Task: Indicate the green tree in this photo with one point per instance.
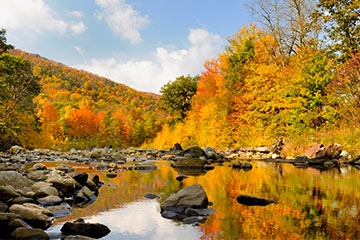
(342, 24)
(18, 87)
(176, 96)
(3, 46)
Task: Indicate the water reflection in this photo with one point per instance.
(312, 203)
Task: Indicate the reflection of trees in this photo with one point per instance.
(311, 205)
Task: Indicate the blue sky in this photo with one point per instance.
(141, 43)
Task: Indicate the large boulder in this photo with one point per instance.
(8, 192)
(193, 152)
(14, 179)
(50, 200)
(36, 216)
(80, 177)
(46, 191)
(79, 227)
(16, 149)
(62, 181)
(319, 151)
(5, 219)
(189, 163)
(28, 233)
(191, 196)
(38, 175)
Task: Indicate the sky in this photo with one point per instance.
(141, 43)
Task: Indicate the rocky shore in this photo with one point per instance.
(32, 197)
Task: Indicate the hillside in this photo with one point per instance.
(80, 109)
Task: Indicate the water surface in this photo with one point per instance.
(311, 203)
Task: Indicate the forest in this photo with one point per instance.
(294, 74)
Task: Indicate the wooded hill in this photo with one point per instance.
(76, 108)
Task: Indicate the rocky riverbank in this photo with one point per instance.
(31, 198)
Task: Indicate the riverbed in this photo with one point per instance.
(311, 203)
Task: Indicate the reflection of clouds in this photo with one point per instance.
(142, 220)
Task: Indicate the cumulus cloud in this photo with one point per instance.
(166, 65)
(122, 19)
(78, 27)
(34, 17)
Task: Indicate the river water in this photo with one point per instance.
(312, 204)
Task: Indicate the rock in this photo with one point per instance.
(147, 166)
(95, 230)
(5, 219)
(91, 185)
(196, 219)
(320, 151)
(355, 161)
(189, 163)
(77, 237)
(191, 196)
(49, 200)
(39, 166)
(247, 166)
(345, 154)
(177, 147)
(8, 192)
(329, 164)
(168, 214)
(21, 200)
(253, 201)
(180, 178)
(208, 167)
(236, 164)
(17, 159)
(38, 175)
(59, 211)
(301, 159)
(85, 195)
(211, 153)
(66, 168)
(16, 149)
(36, 216)
(14, 179)
(80, 177)
(16, 223)
(46, 191)
(193, 152)
(38, 185)
(111, 175)
(62, 182)
(28, 233)
(3, 207)
(199, 212)
(151, 196)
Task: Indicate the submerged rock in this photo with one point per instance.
(253, 201)
(151, 196)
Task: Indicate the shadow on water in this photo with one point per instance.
(311, 203)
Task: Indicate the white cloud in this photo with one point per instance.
(122, 19)
(31, 16)
(166, 65)
(77, 14)
(78, 28)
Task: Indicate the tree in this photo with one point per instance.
(289, 22)
(3, 46)
(342, 23)
(176, 96)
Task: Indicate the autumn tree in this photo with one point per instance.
(82, 123)
(176, 96)
(4, 47)
(342, 24)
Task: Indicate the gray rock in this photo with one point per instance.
(17, 159)
(211, 153)
(46, 191)
(192, 196)
(14, 179)
(194, 152)
(36, 216)
(196, 219)
(21, 200)
(36, 186)
(39, 166)
(49, 200)
(80, 177)
(38, 175)
(3, 207)
(199, 212)
(28, 233)
(62, 182)
(95, 230)
(61, 210)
